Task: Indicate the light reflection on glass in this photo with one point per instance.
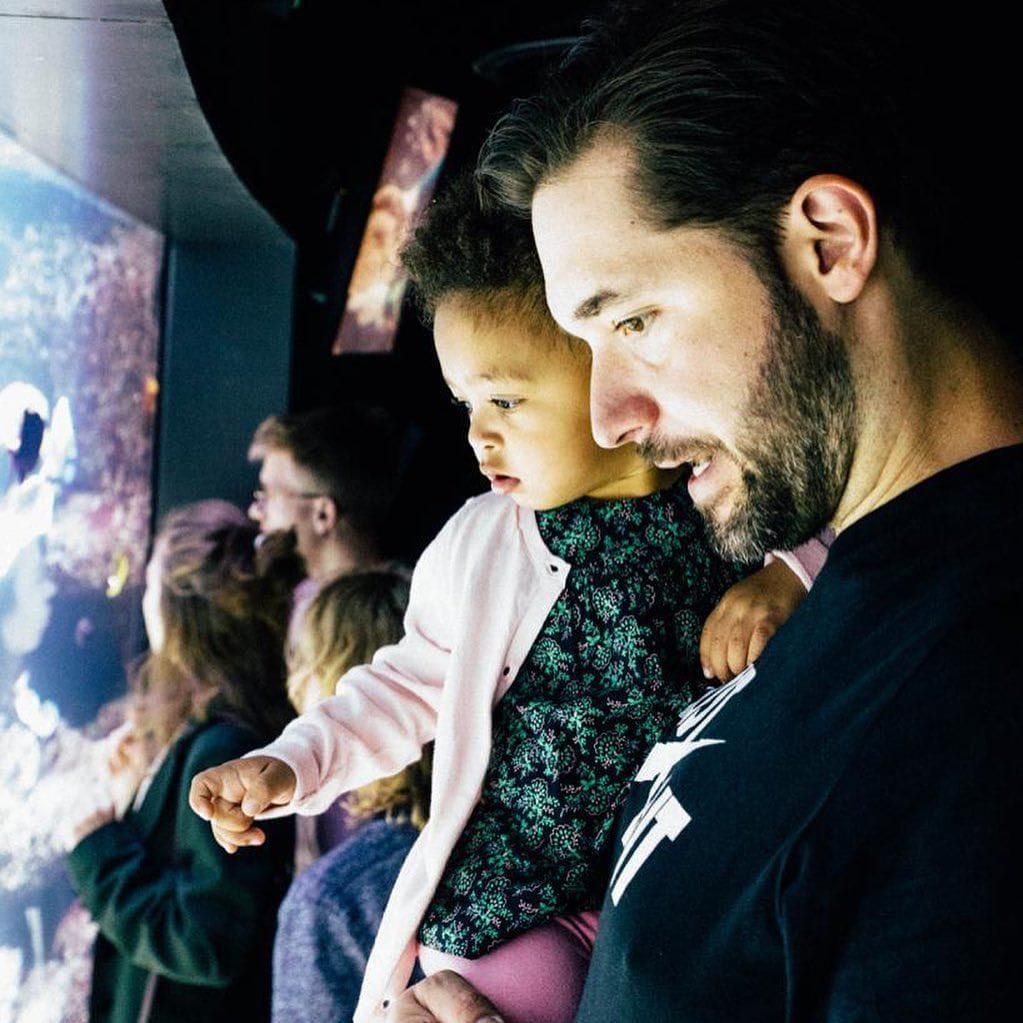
(78, 387)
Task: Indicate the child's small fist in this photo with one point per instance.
(746, 617)
(232, 795)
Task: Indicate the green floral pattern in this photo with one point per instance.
(614, 665)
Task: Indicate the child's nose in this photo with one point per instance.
(482, 435)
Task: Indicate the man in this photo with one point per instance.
(330, 474)
(734, 206)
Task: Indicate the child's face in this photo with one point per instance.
(528, 401)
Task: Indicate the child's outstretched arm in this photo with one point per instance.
(753, 610)
(231, 795)
(378, 722)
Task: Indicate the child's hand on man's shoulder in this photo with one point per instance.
(746, 617)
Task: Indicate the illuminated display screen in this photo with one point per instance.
(78, 392)
(418, 146)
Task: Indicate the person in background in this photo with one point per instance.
(330, 474)
(344, 625)
(353, 850)
(186, 931)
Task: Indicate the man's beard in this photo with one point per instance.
(796, 439)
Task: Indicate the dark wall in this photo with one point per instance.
(224, 365)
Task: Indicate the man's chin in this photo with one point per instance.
(734, 527)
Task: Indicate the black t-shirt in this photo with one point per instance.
(834, 836)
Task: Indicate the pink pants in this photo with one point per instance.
(535, 977)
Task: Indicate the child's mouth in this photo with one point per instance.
(501, 484)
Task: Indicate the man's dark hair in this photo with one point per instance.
(353, 452)
(729, 105)
(468, 246)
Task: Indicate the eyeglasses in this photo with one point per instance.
(260, 497)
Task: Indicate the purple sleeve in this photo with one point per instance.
(807, 560)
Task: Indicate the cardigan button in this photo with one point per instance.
(506, 669)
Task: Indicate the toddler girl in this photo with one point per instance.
(552, 634)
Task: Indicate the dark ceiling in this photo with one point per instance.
(243, 120)
(302, 93)
(98, 89)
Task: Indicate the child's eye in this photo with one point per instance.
(461, 403)
(506, 404)
(631, 325)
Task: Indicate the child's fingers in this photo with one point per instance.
(232, 829)
(254, 783)
(714, 643)
(758, 640)
(268, 782)
(737, 649)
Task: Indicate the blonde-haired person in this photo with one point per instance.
(344, 625)
(185, 930)
(353, 851)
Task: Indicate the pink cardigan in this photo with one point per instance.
(481, 592)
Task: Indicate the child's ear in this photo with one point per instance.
(829, 243)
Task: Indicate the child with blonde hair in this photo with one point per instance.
(343, 626)
(552, 636)
(348, 856)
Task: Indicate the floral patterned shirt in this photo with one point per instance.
(614, 665)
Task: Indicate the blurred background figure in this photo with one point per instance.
(186, 931)
(354, 850)
(331, 476)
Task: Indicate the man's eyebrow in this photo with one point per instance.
(593, 305)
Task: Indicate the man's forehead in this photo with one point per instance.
(279, 466)
(582, 219)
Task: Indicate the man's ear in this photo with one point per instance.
(829, 245)
(325, 515)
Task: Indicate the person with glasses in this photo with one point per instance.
(331, 475)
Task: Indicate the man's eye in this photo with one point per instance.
(506, 404)
(631, 325)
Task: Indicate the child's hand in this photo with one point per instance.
(746, 617)
(231, 795)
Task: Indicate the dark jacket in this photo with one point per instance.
(186, 930)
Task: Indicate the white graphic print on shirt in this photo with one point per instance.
(663, 816)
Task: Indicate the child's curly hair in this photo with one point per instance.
(466, 248)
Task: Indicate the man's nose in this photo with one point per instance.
(621, 410)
